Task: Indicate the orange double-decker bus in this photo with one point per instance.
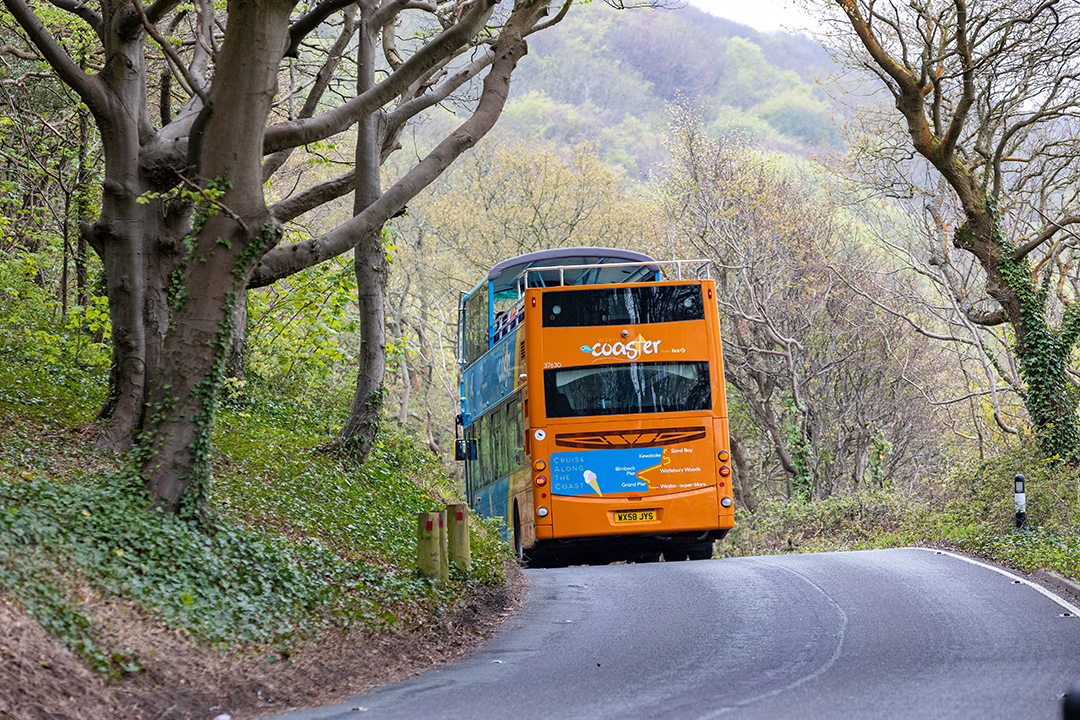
(592, 406)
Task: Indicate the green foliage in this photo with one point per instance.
(279, 480)
(1032, 550)
(971, 509)
(302, 541)
(879, 450)
(802, 482)
(597, 75)
(751, 79)
(853, 521)
(298, 538)
(298, 329)
(490, 552)
(796, 115)
(218, 585)
(584, 71)
(31, 326)
(208, 198)
(539, 117)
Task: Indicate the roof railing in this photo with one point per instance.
(700, 267)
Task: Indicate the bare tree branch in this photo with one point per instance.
(284, 261)
(303, 131)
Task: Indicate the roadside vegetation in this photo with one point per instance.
(877, 397)
(298, 545)
(970, 510)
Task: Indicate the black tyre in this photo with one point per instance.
(519, 551)
(701, 552)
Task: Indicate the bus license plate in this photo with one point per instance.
(629, 516)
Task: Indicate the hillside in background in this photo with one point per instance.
(605, 76)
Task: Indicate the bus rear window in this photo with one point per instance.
(627, 388)
(634, 305)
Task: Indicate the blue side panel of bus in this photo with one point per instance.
(492, 501)
(491, 378)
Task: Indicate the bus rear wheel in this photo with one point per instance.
(519, 551)
(701, 552)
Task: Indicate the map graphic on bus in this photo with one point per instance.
(601, 472)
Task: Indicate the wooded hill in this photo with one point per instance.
(605, 77)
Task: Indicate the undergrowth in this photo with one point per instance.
(971, 510)
(298, 540)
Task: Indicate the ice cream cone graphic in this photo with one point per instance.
(590, 480)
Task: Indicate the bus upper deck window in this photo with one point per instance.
(631, 305)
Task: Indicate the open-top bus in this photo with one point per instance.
(592, 406)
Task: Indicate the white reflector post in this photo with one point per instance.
(1020, 501)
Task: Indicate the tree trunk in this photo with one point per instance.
(743, 487)
(124, 276)
(120, 237)
(237, 365)
(406, 391)
(82, 211)
(67, 259)
(397, 327)
(362, 425)
(233, 232)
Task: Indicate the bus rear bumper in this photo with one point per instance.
(693, 511)
(595, 530)
(623, 548)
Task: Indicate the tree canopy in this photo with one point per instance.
(198, 108)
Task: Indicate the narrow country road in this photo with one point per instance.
(907, 633)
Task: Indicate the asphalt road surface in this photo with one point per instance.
(891, 634)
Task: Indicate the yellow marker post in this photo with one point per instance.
(428, 547)
(457, 535)
(444, 556)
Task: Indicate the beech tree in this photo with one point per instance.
(193, 125)
(986, 97)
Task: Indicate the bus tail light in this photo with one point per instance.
(540, 465)
(725, 471)
(722, 456)
(541, 481)
(543, 511)
(725, 501)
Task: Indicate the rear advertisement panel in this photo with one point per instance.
(636, 468)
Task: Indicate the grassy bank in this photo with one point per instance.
(301, 545)
(970, 510)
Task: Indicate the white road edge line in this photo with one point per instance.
(1012, 576)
